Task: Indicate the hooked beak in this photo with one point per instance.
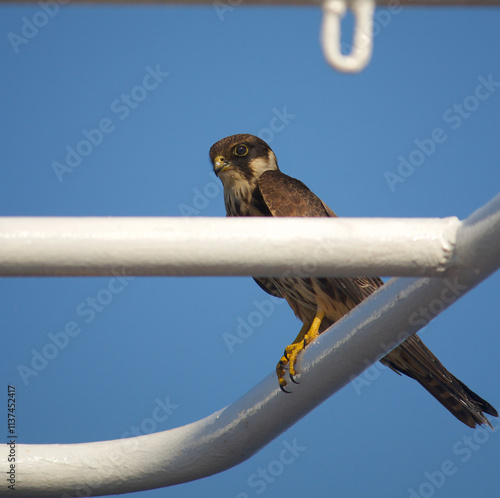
(220, 165)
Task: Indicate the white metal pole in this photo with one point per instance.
(234, 433)
(226, 246)
(285, 3)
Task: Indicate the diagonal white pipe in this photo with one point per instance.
(233, 434)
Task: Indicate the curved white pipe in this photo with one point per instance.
(233, 434)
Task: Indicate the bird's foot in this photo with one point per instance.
(292, 351)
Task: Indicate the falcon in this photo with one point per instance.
(255, 186)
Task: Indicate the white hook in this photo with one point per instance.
(333, 11)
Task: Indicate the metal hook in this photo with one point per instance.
(333, 11)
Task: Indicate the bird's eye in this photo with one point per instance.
(241, 150)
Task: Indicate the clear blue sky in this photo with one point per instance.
(163, 338)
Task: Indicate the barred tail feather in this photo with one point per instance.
(415, 360)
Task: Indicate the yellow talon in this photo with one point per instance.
(305, 337)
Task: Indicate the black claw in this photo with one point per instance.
(284, 390)
(293, 380)
(285, 355)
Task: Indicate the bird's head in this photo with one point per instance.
(241, 158)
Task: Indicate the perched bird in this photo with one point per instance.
(255, 186)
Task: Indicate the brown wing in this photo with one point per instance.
(281, 195)
(266, 284)
(285, 196)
